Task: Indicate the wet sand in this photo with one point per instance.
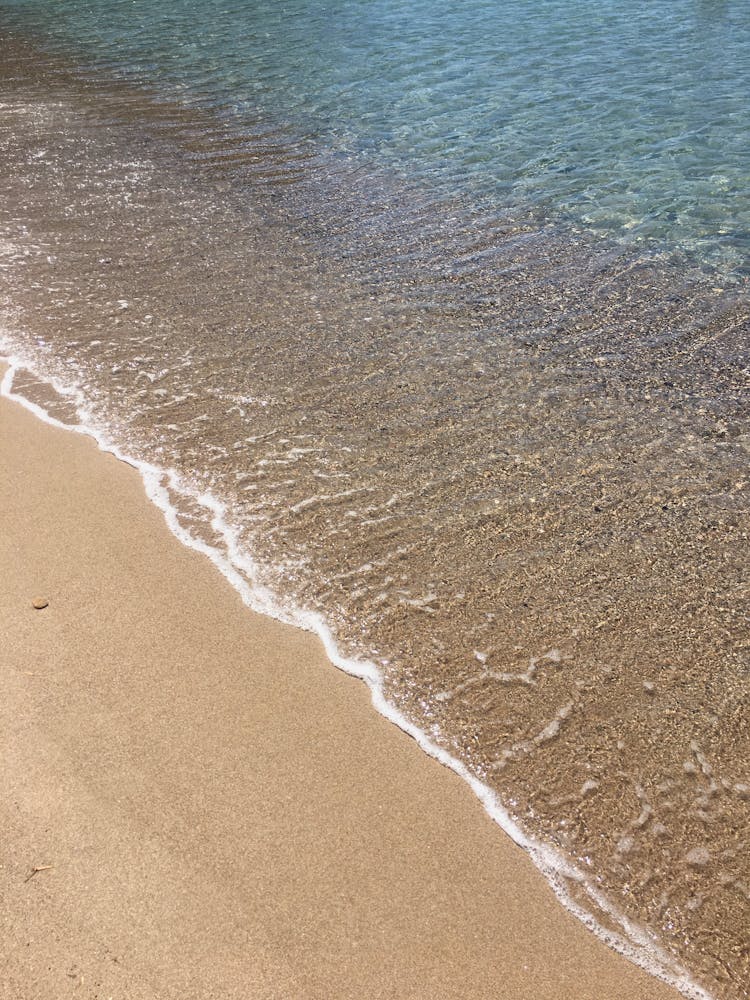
(196, 804)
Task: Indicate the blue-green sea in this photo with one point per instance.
(629, 117)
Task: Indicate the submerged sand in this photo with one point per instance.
(214, 810)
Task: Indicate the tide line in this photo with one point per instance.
(241, 571)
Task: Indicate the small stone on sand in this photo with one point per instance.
(39, 603)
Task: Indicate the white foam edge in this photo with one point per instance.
(639, 946)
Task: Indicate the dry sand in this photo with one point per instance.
(223, 812)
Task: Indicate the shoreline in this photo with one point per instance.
(569, 884)
(298, 781)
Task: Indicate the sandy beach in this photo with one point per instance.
(196, 804)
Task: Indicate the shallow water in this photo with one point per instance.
(504, 458)
(626, 117)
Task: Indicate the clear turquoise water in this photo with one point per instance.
(630, 118)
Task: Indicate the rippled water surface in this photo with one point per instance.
(447, 306)
(627, 117)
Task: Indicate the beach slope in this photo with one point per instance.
(196, 804)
